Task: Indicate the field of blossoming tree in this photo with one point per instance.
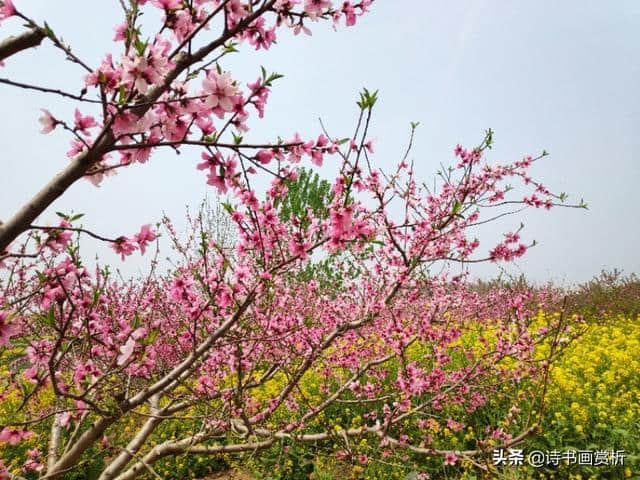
(315, 329)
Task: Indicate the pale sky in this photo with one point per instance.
(544, 75)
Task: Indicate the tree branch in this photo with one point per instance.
(81, 164)
(54, 443)
(16, 44)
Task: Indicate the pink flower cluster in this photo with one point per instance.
(125, 246)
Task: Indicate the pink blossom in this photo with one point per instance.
(315, 8)
(77, 148)
(217, 181)
(455, 426)
(65, 419)
(237, 216)
(145, 236)
(31, 374)
(350, 13)
(285, 5)
(450, 458)
(7, 9)
(7, 330)
(106, 75)
(342, 454)
(126, 351)
(83, 123)
(220, 90)
(264, 156)
(123, 246)
(317, 158)
(206, 125)
(299, 248)
(57, 240)
(13, 436)
(167, 4)
(33, 463)
(121, 31)
(369, 146)
(259, 36)
(48, 122)
(300, 27)
(137, 73)
(504, 252)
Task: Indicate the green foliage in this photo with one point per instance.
(310, 192)
(269, 78)
(307, 191)
(367, 99)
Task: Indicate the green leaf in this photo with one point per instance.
(48, 31)
(136, 321)
(230, 47)
(49, 319)
(151, 337)
(272, 78)
(211, 138)
(488, 139)
(228, 207)
(96, 296)
(122, 95)
(140, 46)
(367, 99)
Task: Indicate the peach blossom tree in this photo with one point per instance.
(238, 347)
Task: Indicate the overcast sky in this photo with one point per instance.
(544, 75)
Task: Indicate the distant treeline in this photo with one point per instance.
(610, 292)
